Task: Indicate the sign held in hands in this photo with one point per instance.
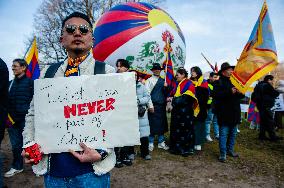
(100, 111)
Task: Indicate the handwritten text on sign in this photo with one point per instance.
(100, 111)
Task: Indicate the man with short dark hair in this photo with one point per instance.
(211, 116)
(21, 91)
(90, 167)
(228, 111)
(264, 96)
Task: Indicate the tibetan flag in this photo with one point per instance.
(168, 68)
(186, 87)
(253, 113)
(259, 55)
(31, 58)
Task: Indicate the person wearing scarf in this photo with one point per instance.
(185, 107)
(90, 167)
(202, 94)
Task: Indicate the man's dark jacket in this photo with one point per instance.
(20, 96)
(227, 104)
(4, 82)
(264, 95)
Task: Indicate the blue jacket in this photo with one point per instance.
(143, 98)
(20, 95)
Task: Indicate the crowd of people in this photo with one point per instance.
(194, 102)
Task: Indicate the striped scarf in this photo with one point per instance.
(73, 66)
(200, 82)
(186, 87)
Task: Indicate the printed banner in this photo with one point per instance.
(100, 111)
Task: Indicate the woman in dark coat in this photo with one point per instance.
(202, 94)
(181, 131)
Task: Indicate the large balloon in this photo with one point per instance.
(141, 33)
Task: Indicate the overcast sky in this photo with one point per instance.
(218, 28)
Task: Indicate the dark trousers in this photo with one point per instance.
(266, 123)
(16, 139)
(122, 153)
(199, 132)
(144, 147)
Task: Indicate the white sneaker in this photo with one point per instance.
(12, 172)
(208, 138)
(197, 147)
(238, 131)
(151, 146)
(163, 146)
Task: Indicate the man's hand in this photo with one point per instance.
(26, 157)
(151, 110)
(165, 84)
(87, 155)
(234, 90)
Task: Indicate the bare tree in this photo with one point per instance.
(49, 16)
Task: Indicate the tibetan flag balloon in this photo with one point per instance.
(259, 55)
(33, 70)
(136, 32)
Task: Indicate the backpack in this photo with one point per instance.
(52, 69)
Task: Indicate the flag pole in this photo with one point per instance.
(166, 67)
(208, 61)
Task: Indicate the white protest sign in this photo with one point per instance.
(99, 110)
(244, 107)
(279, 103)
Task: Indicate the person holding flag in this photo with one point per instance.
(21, 90)
(227, 104)
(185, 107)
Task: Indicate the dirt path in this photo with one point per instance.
(164, 170)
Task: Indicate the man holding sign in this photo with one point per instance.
(90, 167)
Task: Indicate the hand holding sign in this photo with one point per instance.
(87, 155)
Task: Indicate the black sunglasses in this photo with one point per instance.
(84, 29)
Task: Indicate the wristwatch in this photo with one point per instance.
(103, 153)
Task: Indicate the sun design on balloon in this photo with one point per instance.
(124, 22)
